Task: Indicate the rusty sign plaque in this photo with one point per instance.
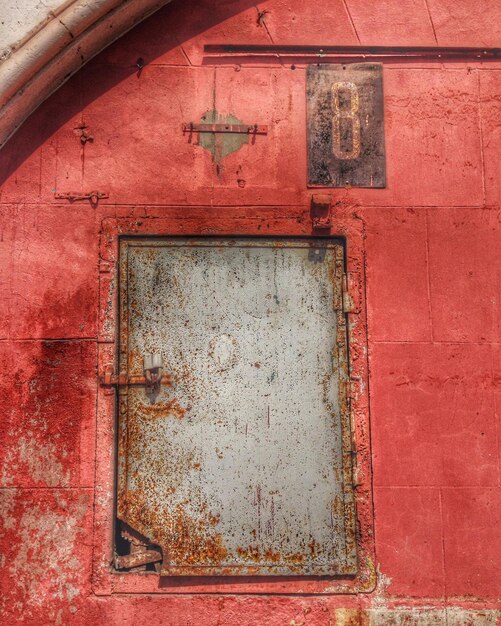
(238, 461)
(345, 125)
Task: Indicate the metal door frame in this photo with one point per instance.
(340, 341)
(211, 221)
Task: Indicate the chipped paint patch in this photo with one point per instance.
(348, 617)
(39, 459)
(43, 566)
(457, 616)
(383, 615)
(406, 617)
(7, 519)
(383, 583)
(50, 537)
(50, 393)
(416, 616)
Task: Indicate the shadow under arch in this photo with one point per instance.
(161, 33)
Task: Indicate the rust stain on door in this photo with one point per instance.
(242, 465)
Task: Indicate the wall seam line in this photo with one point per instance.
(431, 21)
(428, 277)
(350, 17)
(481, 136)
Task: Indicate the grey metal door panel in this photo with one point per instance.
(239, 465)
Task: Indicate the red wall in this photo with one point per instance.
(432, 259)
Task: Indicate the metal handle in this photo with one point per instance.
(152, 366)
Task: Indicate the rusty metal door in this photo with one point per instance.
(240, 462)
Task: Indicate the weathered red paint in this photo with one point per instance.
(424, 255)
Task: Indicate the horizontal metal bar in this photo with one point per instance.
(137, 559)
(113, 380)
(362, 52)
(94, 196)
(254, 129)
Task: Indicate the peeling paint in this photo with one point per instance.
(416, 616)
(39, 458)
(43, 556)
(6, 508)
(380, 593)
(52, 537)
(220, 145)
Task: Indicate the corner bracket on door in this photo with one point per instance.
(141, 551)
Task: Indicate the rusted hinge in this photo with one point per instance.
(350, 287)
(74, 196)
(347, 300)
(243, 129)
(351, 388)
(152, 368)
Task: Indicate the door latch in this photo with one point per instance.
(151, 379)
(152, 367)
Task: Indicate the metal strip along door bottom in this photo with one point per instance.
(241, 464)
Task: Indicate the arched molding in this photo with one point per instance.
(38, 64)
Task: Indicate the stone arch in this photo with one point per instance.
(38, 58)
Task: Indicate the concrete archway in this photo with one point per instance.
(43, 48)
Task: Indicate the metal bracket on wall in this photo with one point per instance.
(243, 129)
(75, 196)
(320, 212)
